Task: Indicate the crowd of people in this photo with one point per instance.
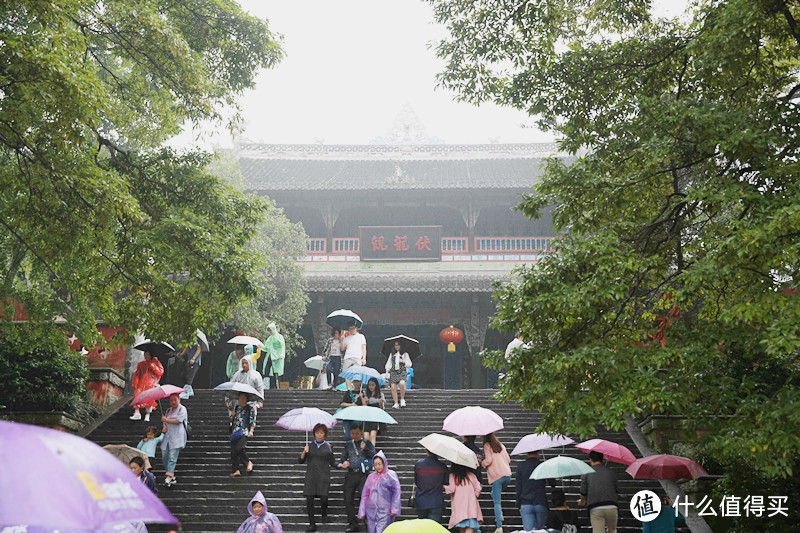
(371, 490)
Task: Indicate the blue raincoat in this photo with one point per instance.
(380, 499)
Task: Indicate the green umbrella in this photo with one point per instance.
(561, 467)
(365, 413)
(416, 525)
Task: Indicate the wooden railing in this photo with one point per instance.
(457, 246)
(454, 244)
(317, 246)
(513, 244)
(347, 245)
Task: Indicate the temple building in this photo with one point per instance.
(410, 236)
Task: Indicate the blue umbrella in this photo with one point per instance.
(362, 374)
(365, 413)
(561, 467)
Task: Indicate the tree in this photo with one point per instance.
(98, 220)
(674, 286)
(279, 279)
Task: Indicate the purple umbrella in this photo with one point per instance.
(53, 479)
(304, 419)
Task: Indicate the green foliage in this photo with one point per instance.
(673, 289)
(38, 371)
(98, 220)
(278, 277)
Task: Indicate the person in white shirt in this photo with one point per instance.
(354, 347)
(396, 366)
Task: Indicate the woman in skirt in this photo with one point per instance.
(396, 366)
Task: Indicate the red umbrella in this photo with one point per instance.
(665, 467)
(610, 450)
(156, 393)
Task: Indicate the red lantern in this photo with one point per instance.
(451, 336)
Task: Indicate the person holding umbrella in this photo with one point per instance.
(248, 376)
(175, 421)
(599, 493)
(531, 494)
(275, 348)
(350, 398)
(318, 455)
(397, 365)
(243, 423)
(464, 489)
(430, 475)
(498, 469)
(147, 375)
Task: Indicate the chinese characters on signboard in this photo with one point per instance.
(401, 243)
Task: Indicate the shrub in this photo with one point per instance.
(38, 371)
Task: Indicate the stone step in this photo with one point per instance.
(206, 499)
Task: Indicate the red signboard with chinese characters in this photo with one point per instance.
(401, 243)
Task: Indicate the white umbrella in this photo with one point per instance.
(315, 363)
(451, 449)
(540, 441)
(561, 467)
(244, 339)
(203, 341)
(239, 387)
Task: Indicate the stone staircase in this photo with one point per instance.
(206, 499)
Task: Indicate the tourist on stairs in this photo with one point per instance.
(397, 365)
(373, 397)
(150, 441)
(175, 421)
(498, 469)
(243, 423)
(146, 376)
(356, 459)
(260, 520)
(318, 455)
(464, 489)
(380, 499)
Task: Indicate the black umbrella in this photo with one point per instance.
(155, 348)
(342, 319)
(407, 344)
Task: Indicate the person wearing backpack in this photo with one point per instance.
(243, 423)
(176, 421)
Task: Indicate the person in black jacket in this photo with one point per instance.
(599, 494)
(562, 518)
(319, 457)
(137, 467)
(531, 494)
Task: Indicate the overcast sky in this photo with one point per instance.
(350, 67)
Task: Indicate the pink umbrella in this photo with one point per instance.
(156, 393)
(610, 450)
(472, 420)
(665, 467)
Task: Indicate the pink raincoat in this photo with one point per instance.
(265, 523)
(380, 499)
(146, 377)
